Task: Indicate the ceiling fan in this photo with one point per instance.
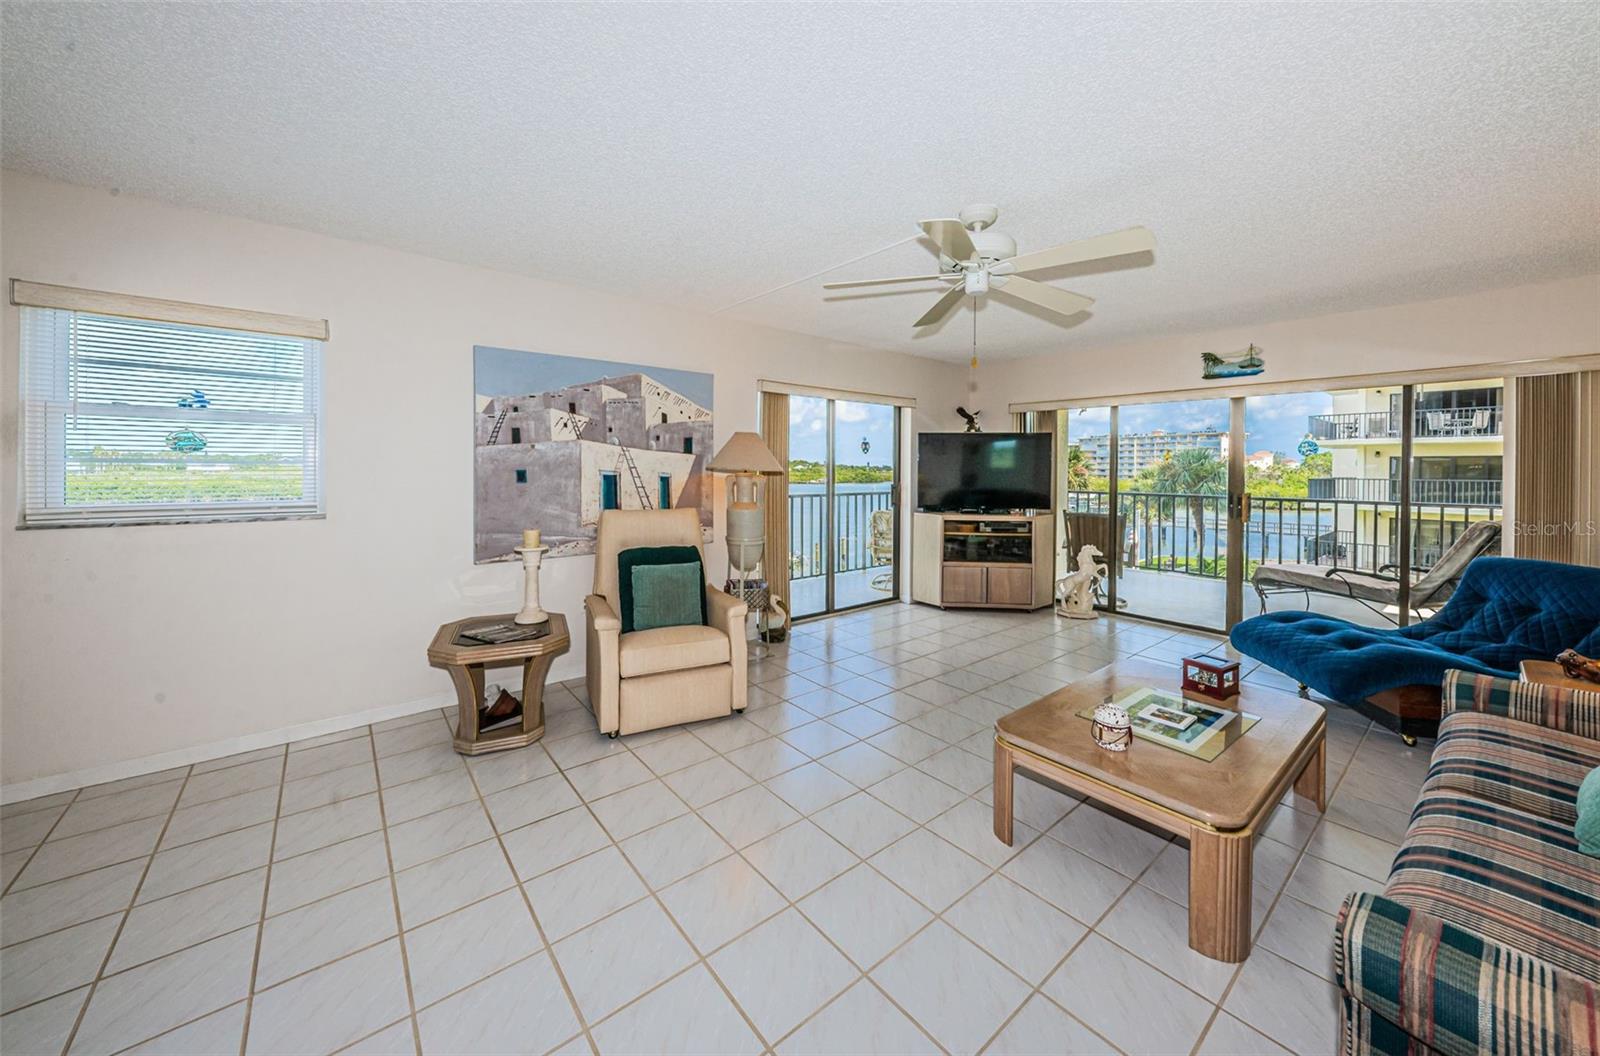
(975, 260)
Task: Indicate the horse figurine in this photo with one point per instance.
(1075, 592)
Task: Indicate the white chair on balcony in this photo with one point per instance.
(1380, 590)
(880, 548)
(1480, 420)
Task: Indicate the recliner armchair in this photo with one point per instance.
(644, 680)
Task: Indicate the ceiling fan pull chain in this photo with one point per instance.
(974, 333)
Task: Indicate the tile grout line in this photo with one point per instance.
(133, 900)
(40, 846)
(548, 948)
(1282, 892)
(261, 922)
(394, 892)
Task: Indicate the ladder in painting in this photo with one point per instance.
(638, 481)
(494, 434)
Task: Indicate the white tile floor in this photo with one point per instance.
(815, 876)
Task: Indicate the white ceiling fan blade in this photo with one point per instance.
(878, 282)
(1116, 244)
(1063, 301)
(951, 238)
(942, 307)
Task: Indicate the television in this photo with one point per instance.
(983, 472)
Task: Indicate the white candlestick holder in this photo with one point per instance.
(531, 612)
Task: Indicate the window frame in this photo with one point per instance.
(43, 412)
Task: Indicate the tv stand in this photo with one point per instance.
(983, 560)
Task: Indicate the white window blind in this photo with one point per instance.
(134, 421)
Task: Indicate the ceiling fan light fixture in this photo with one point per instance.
(977, 281)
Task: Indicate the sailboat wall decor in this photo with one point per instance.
(1243, 365)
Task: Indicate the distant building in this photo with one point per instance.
(554, 460)
(1135, 451)
(1262, 459)
(1457, 467)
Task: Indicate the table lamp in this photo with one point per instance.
(746, 458)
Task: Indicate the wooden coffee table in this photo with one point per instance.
(1219, 807)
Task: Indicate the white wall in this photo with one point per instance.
(1544, 320)
(122, 643)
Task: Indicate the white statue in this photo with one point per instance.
(1075, 593)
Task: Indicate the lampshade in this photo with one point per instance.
(745, 453)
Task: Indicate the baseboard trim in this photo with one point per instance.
(151, 764)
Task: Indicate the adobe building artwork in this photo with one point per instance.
(557, 439)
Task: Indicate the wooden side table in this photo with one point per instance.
(466, 663)
(1549, 673)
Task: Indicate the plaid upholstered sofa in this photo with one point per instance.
(1486, 938)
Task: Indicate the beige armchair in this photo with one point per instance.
(644, 680)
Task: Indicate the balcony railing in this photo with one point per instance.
(1385, 425)
(809, 531)
(1424, 491)
(1156, 531)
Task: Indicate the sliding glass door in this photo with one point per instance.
(1173, 510)
(843, 518)
(1319, 487)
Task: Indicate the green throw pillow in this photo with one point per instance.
(671, 599)
(1588, 827)
(665, 596)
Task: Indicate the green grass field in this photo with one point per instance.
(125, 484)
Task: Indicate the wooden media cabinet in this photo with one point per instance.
(983, 560)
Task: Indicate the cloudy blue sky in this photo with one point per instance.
(509, 372)
(1272, 423)
(854, 422)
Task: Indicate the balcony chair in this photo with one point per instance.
(1080, 529)
(664, 676)
(1504, 611)
(1379, 589)
(880, 548)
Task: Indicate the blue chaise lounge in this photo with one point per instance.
(1505, 610)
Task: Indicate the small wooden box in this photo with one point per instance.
(1211, 677)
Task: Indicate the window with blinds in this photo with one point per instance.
(134, 421)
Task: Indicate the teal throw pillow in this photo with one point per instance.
(665, 596)
(671, 599)
(1587, 828)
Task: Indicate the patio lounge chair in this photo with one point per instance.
(1378, 589)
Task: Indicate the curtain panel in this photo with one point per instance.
(775, 494)
(1557, 507)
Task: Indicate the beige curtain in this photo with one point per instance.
(775, 494)
(1557, 494)
(1049, 422)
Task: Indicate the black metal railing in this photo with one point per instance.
(809, 532)
(1385, 425)
(1425, 491)
(1158, 530)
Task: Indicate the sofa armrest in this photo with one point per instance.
(727, 614)
(1553, 707)
(602, 662)
(1445, 986)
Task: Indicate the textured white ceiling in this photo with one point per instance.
(1292, 159)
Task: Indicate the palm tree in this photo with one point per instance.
(1077, 469)
(1197, 473)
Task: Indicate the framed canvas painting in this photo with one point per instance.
(558, 439)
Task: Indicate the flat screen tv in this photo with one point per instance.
(983, 472)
